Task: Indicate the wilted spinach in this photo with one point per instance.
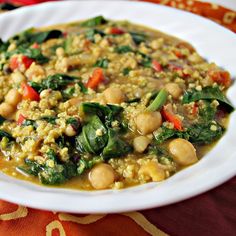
(123, 49)
(207, 93)
(103, 63)
(58, 174)
(92, 32)
(54, 82)
(95, 21)
(6, 134)
(165, 133)
(138, 37)
(115, 147)
(93, 137)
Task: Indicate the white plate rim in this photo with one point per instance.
(152, 194)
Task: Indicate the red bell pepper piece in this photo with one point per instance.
(29, 93)
(173, 118)
(115, 30)
(156, 66)
(16, 62)
(21, 119)
(220, 77)
(96, 78)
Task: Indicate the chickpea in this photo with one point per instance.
(152, 170)
(60, 52)
(140, 143)
(101, 176)
(69, 131)
(183, 151)
(6, 110)
(147, 122)
(45, 93)
(17, 77)
(174, 90)
(114, 95)
(13, 97)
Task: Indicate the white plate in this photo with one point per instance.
(212, 41)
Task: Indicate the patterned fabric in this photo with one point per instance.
(212, 11)
(212, 213)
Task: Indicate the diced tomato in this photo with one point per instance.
(156, 66)
(21, 119)
(115, 30)
(35, 45)
(96, 78)
(173, 118)
(29, 93)
(220, 77)
(17, 61)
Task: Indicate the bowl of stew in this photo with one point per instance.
(103, 107)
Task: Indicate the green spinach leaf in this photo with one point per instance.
(165, 133)
(98, 20)
(92, 32)
(138, 37)
(205, 133)
(115, 147)
(123, 49)
(93, 137)
(54, 82)
(103, 63)
(207, 93)
(86, 164)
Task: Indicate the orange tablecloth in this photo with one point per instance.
(212, 213)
